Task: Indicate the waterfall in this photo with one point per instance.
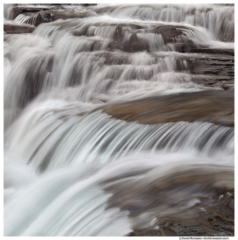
(73, 169)
(51, 136)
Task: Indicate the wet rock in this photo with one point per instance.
(48, 14)
(183, 202)
(145, 232)
(201, 224)
(214, 51)
(24, 9)
(218, 64)
(190, 47)
(64, 14)
(136, 37)
(212, 80)
(17, 29)
(215, 106)
(138, 41)
(228, 86)
(210, 70)
(133, 43)
(168, 232)
(172, 34)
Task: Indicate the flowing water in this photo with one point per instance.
(73, 170)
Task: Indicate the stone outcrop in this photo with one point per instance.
(215, 106)
(26, 9)
(17, 29)
(56, 14)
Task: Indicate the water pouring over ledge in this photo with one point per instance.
(82, 130)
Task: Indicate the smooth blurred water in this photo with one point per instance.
(62, 154)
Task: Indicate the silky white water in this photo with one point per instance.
(65, 159)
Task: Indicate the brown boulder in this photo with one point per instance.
(215, 106)
(17, 29)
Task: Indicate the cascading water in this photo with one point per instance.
(71, 168)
